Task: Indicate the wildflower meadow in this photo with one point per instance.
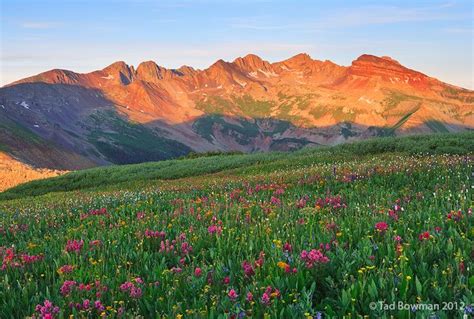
(306, 235)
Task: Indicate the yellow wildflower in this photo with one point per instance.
(282, 265)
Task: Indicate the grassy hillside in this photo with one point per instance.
(321, 232)
(123, 142)
(120, 176)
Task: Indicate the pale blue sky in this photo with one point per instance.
(434, 37)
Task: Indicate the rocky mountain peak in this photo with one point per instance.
(252, 62)
(149, 71)
(121, 71)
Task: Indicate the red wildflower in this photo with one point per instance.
(248, 269)
(381, 227)
(197, 272)
(232, 294)
(424, 236)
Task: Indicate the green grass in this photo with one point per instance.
(279, 143)
(460, 143)
(228, 236)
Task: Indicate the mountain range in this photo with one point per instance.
(64, 120)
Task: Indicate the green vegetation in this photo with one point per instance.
(346, 130)
(322, 232)
(318, 111)
(280, 126)
(210, 154)
(123, 142)
(240, 106)
(340, 115)
(287, 103)
(215, 105)
(253, 108)
(457, 94)
(16, 131)
(437, 126)
(101, 177)
(451, 91)
(288, 144)
(204, 126)
(394, 98)
(390, 131)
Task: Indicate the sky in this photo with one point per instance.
(434, 37)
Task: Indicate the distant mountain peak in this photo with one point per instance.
(376, 60)
(121, 71)
(300, 57)
(220, 66)
(251, 63)
(151, 72)
(117, 66)
(87, 119)
(186, 70)
(249, 58)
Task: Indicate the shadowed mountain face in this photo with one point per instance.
(65, 120)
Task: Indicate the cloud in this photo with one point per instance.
(375, 15)
(353, 17)
(259, 27)
(459, 30)
(40, 25)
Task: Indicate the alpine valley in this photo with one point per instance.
(62, 120)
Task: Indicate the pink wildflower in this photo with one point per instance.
(74, 245)
(313, 257)
(248, 269)
(197, 272)
(249, 296)
(381, 227)
(232, 294)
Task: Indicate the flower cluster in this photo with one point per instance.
(334, 202)
(381, 227)
(47, 310)
(94, 212)
(248, 268)
(154, 234)
(314, 256)
(10, 259)
(74, 245)
(269, 294)
(424, 236)
(132, 290)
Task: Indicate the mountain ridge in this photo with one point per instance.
(122, 114)
(298, 59)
